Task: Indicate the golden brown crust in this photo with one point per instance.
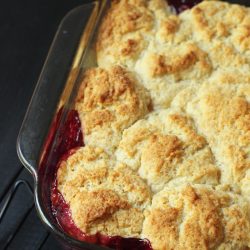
(176, 63)
(103, 196)
(222, 115)
(214, 20)
(109, 101)
(175, 170)
(204, 43)
(165, 147)
(125, 18)
(197, 217)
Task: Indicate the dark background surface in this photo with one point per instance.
(27, 29)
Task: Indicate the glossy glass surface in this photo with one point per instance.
(55, 91)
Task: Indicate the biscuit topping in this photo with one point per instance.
(108, 102)
(166, 122)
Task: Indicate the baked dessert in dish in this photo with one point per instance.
(162, 131)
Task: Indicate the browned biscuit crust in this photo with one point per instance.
(108, 102)
(103, 196)
(197, 217)
(166, 121)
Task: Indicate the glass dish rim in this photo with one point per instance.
(99, 6)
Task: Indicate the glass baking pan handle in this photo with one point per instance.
(10, 194)
(51, 84)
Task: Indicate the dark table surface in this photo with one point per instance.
(27, 28)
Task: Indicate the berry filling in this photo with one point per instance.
(70, 138)
(181, 5)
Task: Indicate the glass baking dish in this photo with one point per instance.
(50, 108)
(71, 52)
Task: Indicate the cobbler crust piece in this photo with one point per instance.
(166, 123)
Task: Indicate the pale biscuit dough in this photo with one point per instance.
(103, 196)
(108, 102)
(167, 52)
(222, 115)
(166, 123)
(166, 147)
(197, 217)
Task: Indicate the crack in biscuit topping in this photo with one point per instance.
(166, 121)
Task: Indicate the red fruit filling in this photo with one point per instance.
(70, 138)
(181, 5)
